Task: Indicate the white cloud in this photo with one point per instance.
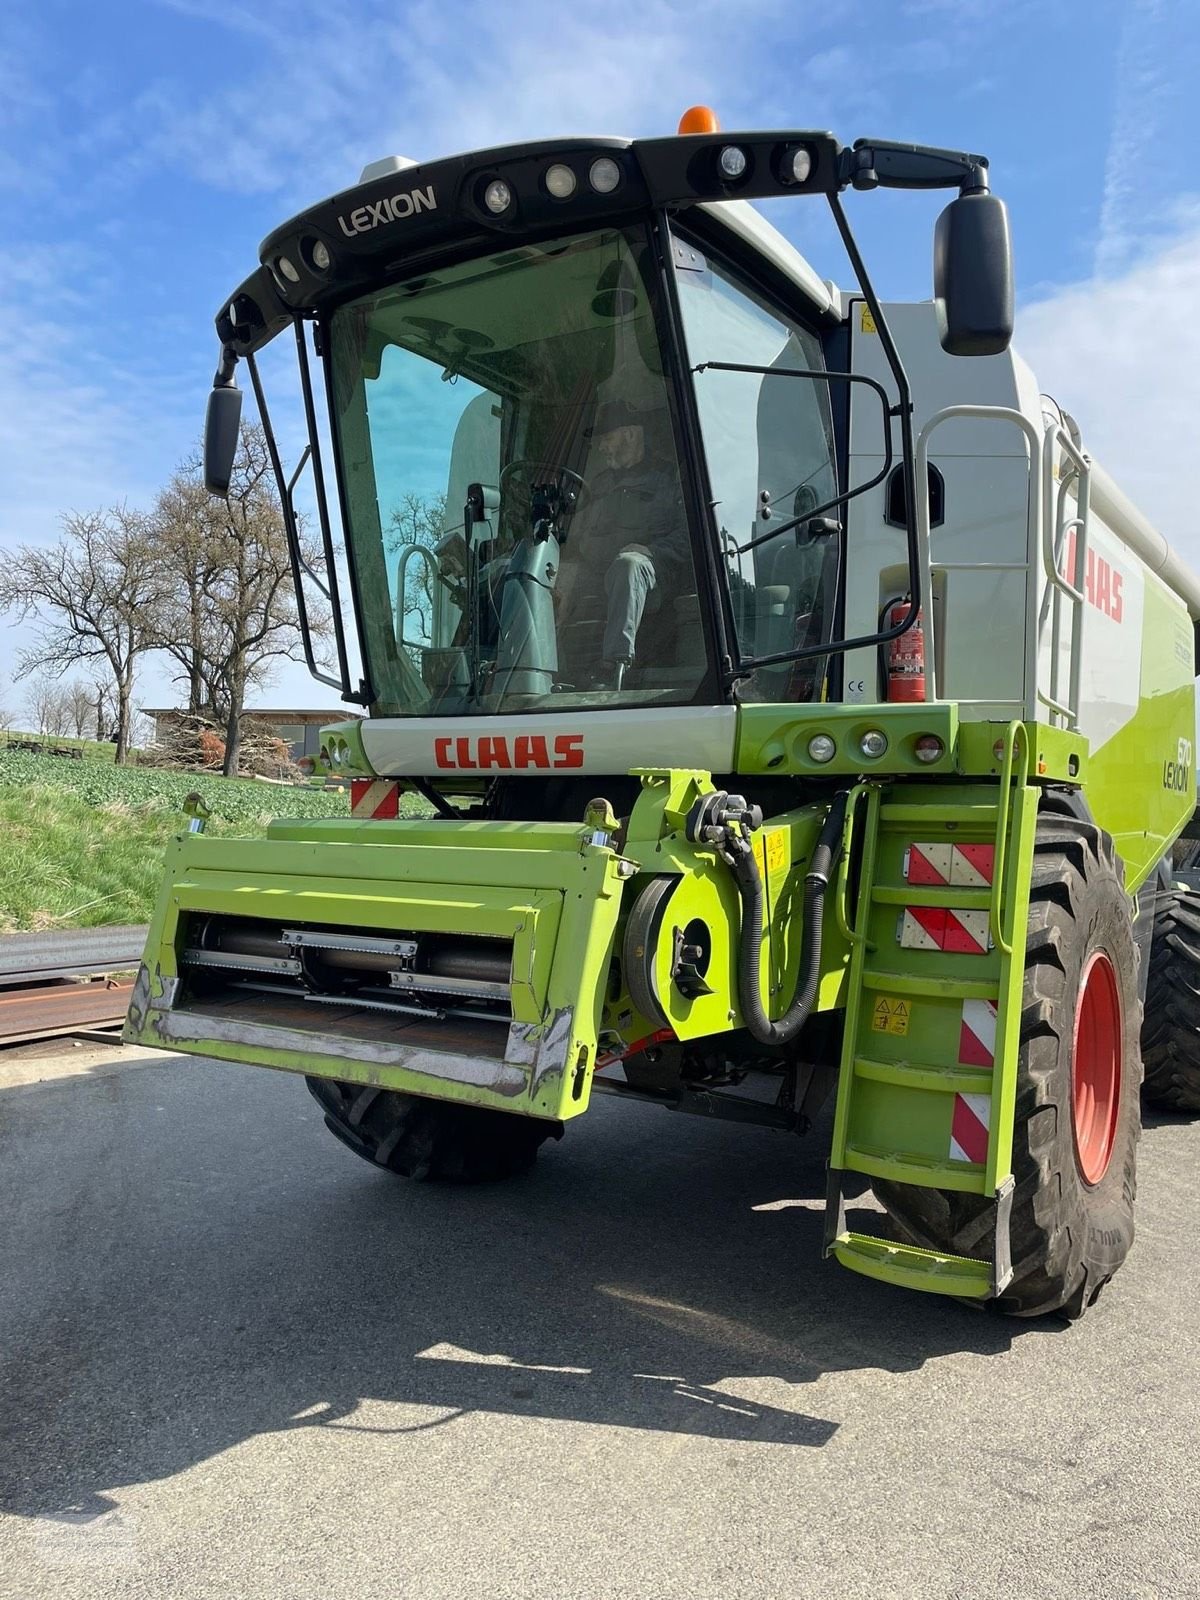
(1122, 354)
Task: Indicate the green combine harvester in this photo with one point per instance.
(798, 709)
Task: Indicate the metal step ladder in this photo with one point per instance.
(928, 1075)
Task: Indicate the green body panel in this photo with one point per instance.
(548, 891)
(1138, 788)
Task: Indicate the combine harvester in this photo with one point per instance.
(798, 705)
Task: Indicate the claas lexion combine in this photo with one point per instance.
(797, 709)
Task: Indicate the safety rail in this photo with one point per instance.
(1044, 536)
(431, 564)
(1014, 734)
(1054, 547)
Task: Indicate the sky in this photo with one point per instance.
(147, 146)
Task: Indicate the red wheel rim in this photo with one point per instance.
(1096, 1067)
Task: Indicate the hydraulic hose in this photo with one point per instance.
(816, 884)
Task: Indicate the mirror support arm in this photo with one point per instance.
(293, 536)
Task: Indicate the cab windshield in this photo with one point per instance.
(512, 486)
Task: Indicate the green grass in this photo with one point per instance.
(83, 841)
(92, 750)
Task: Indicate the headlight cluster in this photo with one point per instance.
(560, 180)
(872, 745)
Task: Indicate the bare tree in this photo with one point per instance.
(47, 705)
(95, 593)
(230, 606)
(79, 698)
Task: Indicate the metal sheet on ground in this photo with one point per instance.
(235, 1360)
(54, 1008)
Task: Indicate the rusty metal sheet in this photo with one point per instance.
(44, 1010)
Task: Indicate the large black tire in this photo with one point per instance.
(430, 1139)
(1068, 1234)
(1171, 1031)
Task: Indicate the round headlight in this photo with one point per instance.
(604, 175)
(560, 181)
(497, 197)
(873, 743)
(319, 255)
(929, 748)
(821, 748)
(288, 269)
(732, 162)
(797, 165)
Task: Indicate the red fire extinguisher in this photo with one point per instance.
(905, 655)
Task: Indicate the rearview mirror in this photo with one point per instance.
(221, 423)
(973, 276)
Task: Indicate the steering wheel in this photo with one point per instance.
(533, 467)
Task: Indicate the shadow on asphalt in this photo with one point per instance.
(196, 1261)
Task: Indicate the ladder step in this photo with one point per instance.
(923, 1172)
(913, 1268)
(914, 1075)
(920, 895)
(982, 816)
(938, 988)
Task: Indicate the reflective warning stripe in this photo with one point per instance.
(374, 797)
(959, 866)
(935, 928)
(977, 1036)
(969, 1128)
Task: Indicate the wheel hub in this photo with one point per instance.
(1096, 1059)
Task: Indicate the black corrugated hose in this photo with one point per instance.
(816, 884)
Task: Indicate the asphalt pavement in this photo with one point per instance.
(235, 1361)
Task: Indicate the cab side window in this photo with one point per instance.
(768, 439)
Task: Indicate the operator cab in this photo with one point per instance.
(515, 478)
(589, 427)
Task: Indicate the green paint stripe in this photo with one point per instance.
(951, 1080)
(936, 988)
(921, 1172)
(919, 895)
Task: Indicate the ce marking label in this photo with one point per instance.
(856, 689)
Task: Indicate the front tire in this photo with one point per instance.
(1077, 1110)
(1171, 1032)
(426, 1140)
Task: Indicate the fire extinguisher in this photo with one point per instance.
(905, 671)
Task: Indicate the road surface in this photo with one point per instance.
(235, 1361)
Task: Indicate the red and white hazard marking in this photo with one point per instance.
(936, 928)
(977, 1035)
(374, 797)
(969, 1128)
(959, 866)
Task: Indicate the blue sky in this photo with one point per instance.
(146, 146)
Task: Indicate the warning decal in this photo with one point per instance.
(374, 798)
(960, 866)
(776, 850)
(890, 1016)
(933, 928)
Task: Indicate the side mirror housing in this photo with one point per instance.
(973, 276)
(221, 423)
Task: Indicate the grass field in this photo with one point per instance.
(83, 840)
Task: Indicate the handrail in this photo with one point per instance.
(1014, 732)
(841, 908)
(924, 529)
(1056, 437)
(401, 572)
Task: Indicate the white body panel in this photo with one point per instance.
(992, 614)
(602, 742)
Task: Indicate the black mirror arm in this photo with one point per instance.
(820, 375)
(884, 164)
(226, 373)
(293, 536)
